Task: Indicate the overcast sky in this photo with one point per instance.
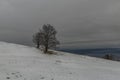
(89, 22)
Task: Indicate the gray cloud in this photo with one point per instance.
(75, 20)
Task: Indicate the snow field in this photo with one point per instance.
(19, 62)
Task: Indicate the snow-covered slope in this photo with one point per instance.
(19, 62)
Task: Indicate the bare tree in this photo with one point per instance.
(46, 37)
(36, 39)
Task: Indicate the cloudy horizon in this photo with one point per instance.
(93, 23)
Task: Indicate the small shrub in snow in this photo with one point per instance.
(109, 57)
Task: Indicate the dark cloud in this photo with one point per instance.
(75, 20)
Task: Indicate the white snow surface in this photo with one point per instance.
(18, 62)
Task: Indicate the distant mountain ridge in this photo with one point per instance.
(97, 52)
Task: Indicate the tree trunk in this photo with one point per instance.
(38, 45)
(46, 49)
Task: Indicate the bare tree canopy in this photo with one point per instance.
(46, 37)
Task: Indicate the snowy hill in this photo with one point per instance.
(19, 62)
